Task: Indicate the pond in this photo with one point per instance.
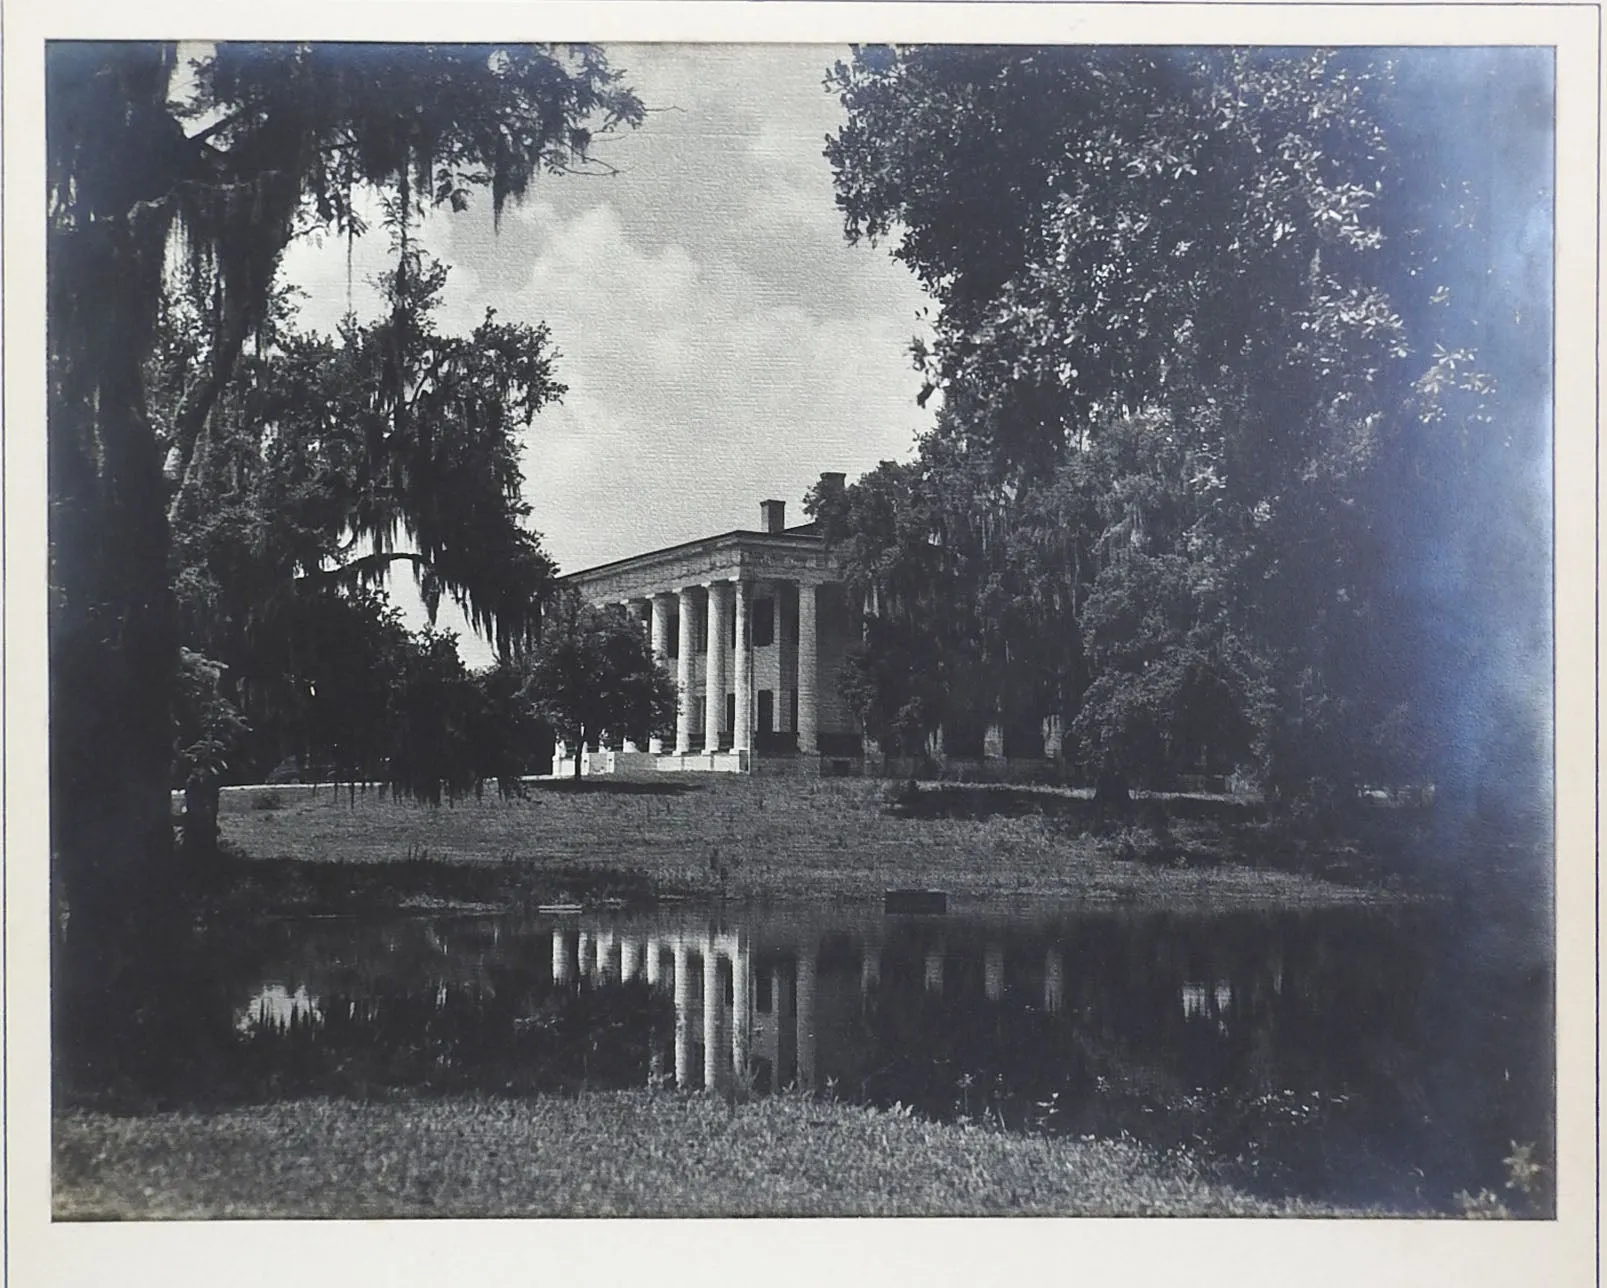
(1368, 1056)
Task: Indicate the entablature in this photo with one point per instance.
(749, 556)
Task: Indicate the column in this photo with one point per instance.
(683, 672)
(661, 642)
(993, 740)
(683, 1004)
(714, 668)
(634, 613)
(605, 956)
(804, 1001)
(1054, 981)
(934, 970)
(993, 971)
(1054, 736)
(655, 952)
(870, 969)
(627, 960)
(562, 966)
(742, 730)
(713, 996)
(584, 955)
(741, 1008)
(808, 661)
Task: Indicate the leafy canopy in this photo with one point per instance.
(594, 674)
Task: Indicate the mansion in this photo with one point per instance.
(754, 625)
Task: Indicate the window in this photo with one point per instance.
(764, 622)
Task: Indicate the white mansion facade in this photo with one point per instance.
(754, 625)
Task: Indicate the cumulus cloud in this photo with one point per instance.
(721, 342)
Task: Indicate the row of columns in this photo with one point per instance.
(596, 952)
(727, 598)
(727, 1032)
(596, 955)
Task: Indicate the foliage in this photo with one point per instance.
(216, 166)
(507, 736)
(207, 727)
(594, 674)
(206, 723)
(1191, 321)
(316, 483)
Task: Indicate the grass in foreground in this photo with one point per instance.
(613, 1154)
(778, 839)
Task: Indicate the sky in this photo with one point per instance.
(721, 342)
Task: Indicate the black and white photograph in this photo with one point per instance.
(956, 626)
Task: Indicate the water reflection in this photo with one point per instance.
(1357, 1055)
(276, 1007)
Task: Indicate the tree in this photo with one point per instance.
(227, 160)
(207, 729)
(1247, 244)
(939, 552)
(431, 754)
(881, 530)
(507, 736)
(1173, 685)
(594, 673)
(315, 484)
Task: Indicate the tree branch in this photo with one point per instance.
(352, 571)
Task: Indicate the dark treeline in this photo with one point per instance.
(228, 495)
(1241, 456)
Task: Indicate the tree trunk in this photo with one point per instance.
(1111, 790)
(580, 751)
(113, 650)
(202, 795)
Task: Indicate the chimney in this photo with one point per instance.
(774, 515)
(834, 482)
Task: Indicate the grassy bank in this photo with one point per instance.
(623, 1153)
(775, 839)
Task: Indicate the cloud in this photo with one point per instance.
(695, 392)
(721, 342)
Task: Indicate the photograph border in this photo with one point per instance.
(933, 1250)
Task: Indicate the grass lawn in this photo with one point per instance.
(785, 839)
(637, 1153)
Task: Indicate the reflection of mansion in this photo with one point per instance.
(754, 626)
(774, 999)
(760, 1002)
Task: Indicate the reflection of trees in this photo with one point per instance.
(516, 1035)
(459, 1003)
(1303, 1056)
